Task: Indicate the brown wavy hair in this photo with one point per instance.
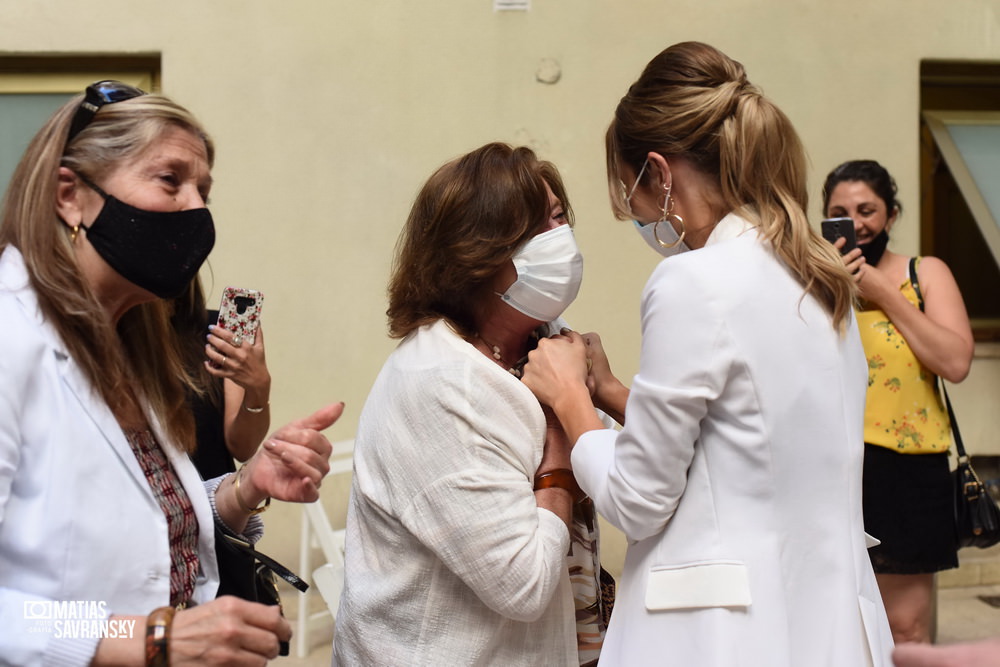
(693, 101)
(143, 352)
(466, 223)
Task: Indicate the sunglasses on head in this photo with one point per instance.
(96, 96)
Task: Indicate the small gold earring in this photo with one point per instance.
(73, 233)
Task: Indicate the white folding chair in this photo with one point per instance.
(328, 578)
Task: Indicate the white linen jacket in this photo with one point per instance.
(737, 476)
(78, 520)
(449, 561)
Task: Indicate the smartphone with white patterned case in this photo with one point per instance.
(239, 311)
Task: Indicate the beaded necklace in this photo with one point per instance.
(517, 369)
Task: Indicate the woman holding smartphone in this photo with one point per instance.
(914, 328)
(232, 385)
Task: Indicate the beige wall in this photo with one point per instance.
(329, 116)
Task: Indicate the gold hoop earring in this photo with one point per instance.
(668, 207)
(73, 233)
(680, 237)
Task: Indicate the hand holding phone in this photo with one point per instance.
(834, 228)
(239, 312)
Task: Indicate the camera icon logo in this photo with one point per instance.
(38, 610)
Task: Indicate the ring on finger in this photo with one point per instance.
(223, 364)
(237, 340)
(590, 364)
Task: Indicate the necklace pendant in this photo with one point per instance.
(496, 353)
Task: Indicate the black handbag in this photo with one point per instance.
(977, 516)
(249, 574)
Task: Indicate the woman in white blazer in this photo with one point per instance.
(106, 530)
(737, 475)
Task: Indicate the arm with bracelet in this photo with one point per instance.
(560, 478)
(554, 485)
(235, 353)
(226, 631)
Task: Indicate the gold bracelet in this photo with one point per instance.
(239, 499)
(560, 478)
(158, 637)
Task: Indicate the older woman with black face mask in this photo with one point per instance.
(463, 503)
(106, 529)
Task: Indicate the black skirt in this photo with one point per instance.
(908, 505)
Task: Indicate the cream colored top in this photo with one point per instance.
(449, 561)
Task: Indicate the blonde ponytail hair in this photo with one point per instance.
(694, 102)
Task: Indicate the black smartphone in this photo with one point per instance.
(834, 228)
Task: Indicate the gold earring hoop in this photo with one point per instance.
(73, 233)
(668, 214)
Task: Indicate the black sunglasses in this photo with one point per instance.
(97, 95)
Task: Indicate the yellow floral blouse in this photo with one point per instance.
(903, 409)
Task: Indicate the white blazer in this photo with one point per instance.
(78, 521)
(737, 476)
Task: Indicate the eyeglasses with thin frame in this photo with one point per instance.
(96, 96)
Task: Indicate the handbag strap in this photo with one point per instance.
(279, 569)
(915, 283)
(959, 448)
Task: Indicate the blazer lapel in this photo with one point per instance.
(99, 413)
(14, 276)
(186, 473)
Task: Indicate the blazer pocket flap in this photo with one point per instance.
(716, 584)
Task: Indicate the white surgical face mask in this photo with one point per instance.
(666, 233)
(549, 271)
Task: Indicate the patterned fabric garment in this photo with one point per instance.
(903, 410)
(584, 574)
(182, 525)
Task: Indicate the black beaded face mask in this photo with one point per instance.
(874, 249)
(160, 252)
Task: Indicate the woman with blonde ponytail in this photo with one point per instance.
(737, 474)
